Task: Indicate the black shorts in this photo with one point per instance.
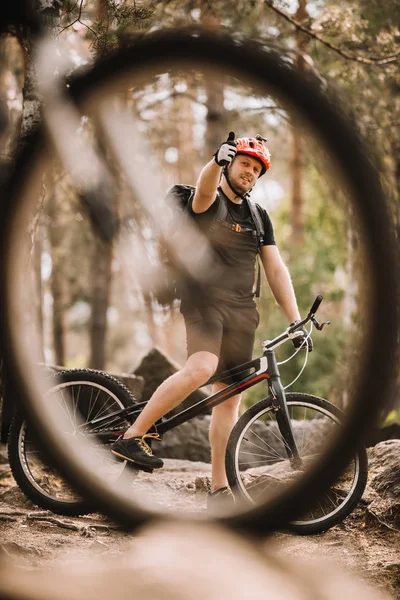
(228, 332)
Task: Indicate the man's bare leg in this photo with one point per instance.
(197, 371)
(223, 419)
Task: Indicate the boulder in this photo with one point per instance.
(3, 454)
(188, 441)
(154, 368)
(387, 482)
(385, 455)
(384, 467)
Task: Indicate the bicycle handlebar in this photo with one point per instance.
(315, 306)
(288, 334)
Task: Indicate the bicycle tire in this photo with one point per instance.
(33, 468)
(261, 65)
(248, 443)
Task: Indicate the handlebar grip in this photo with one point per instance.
(316, 304)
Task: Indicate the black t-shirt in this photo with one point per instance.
(235, 251)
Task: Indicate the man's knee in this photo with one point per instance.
(200, 367)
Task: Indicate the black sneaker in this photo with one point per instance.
(137, 451)
(220, 502)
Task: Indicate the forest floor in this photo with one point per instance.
(37, 539)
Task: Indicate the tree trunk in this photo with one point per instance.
(49, 13)
(184, 138)
(214, 88)
(101, 275)
(59, 321)
(58, 284)
(151, 326)
(297, 163)
(37, 275)
(100, 294)
(297, 204)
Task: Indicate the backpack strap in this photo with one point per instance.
(255, 212)
(221, 214)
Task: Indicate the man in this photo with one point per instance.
(221, 322)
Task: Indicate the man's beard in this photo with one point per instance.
(239, 185)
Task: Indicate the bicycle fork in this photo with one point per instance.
(282, 414)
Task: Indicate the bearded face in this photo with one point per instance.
(244, 172)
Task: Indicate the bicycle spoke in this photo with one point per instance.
(309, 442)
(265, 443)
(64, 406)
(272, 452)
(79, 401)
(262, 466)
(279, 437)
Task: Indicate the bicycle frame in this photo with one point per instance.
(265, 367)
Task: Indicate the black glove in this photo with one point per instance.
(226, 152)
(299, 341)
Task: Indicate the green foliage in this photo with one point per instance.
(392, 417)
(315, 268)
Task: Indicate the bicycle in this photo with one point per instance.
(274, 442)
(156, 53)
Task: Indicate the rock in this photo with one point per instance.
(384, 455)
(188, 441)
(5, 472)
(155, 368)
(383, 512)
(269, 433)
(3, 454)
(387, 482)
(14, 497)
(384, 467)
(134, 383)
(202, 484)
(14, 549)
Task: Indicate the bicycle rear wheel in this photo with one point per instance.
(85, 395)
(257, 464)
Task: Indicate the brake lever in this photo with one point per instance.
(318, 325)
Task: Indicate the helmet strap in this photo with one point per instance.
(237, 194)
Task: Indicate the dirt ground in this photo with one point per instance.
(36, 538)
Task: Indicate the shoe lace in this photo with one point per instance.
(144, 445)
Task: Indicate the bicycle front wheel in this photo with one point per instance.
(257, 464)
(84, 395)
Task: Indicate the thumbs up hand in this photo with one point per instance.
(226, 152)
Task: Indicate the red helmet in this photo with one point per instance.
(255, 147)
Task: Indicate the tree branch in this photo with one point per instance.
(78, 20)
(73, 22)
(174, 95)
(375, 516)
(85, 530)
(374, 60)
